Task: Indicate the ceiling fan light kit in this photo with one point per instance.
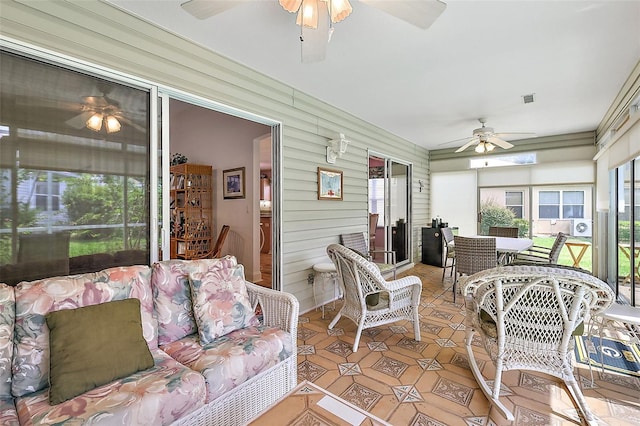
(483, 147)
(308, 10)
(111, 123)
(316, 17)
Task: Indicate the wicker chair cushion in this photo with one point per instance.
(488, 325)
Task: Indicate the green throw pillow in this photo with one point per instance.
(94, 345)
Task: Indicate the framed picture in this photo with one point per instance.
(233, 183)
(329, 184)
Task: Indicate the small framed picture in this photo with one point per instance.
(233, 183)
(329, 184)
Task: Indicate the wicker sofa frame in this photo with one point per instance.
(247, 400)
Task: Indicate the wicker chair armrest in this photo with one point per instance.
(279, 309)
(539, 249)
(527, 257)
(401, 284)
(391, 252)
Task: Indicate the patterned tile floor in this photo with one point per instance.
(429, 382)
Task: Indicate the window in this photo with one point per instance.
(573, 204)
(48, 196)
(514, 202)
(61, 176)
(549, 205)
(561, 205)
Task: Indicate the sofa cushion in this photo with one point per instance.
(94, 345)
(7, 319)
(8, 413)
(220, 302)
(157, 396)
(36, 299)
(172, 295)
(234, 358)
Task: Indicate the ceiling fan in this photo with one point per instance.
(98, 112)
(486, 139)
(316, 17)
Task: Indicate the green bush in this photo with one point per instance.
(494, 214)
(523, 227)
(624, 233)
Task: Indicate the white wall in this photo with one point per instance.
(454, 197)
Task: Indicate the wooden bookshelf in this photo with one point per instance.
(191, 204)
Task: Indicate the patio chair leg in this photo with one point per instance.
(334, 321)
(578, 398)
(484, 386)
(358, 334)
(416, 324)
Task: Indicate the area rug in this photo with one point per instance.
(616, 355)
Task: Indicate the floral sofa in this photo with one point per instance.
(210, 356)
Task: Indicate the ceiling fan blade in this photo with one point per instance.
(421, 13)
(203, 9)
(132, 124)
(96, 101)
(507, 134)
(468, 138)
(499, 142)
(80, 121)
(467, 145)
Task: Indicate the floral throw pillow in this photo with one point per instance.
(220, 302)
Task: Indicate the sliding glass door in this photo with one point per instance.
(541, 212)
(627, 217)
(74, 170)
(389, 206)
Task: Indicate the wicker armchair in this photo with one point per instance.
(356, 241)
(473, 254)
(399, 299)
(539, 254)
(526, 317)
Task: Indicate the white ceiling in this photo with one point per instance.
(430, 86)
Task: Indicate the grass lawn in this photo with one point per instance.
(587, 259)
(565, 256)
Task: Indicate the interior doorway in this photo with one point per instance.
(389, 206)
(205, 135)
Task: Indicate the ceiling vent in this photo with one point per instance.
(528, 99)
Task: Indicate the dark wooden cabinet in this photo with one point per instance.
(432, 246)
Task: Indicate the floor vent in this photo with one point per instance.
(528, 99)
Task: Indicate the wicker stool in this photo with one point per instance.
(324, 272)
